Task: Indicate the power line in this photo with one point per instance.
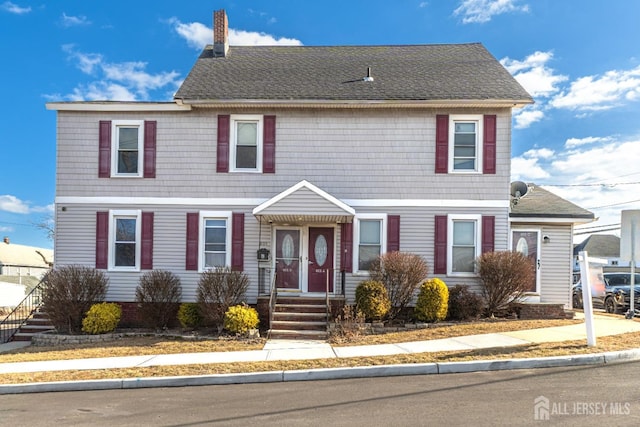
(595, 231)
(616, 204)
(597, 226)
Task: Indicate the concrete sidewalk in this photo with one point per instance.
(306, 350)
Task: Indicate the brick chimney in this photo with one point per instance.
(220, 33)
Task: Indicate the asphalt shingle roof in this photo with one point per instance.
(538, 202)
(334, 73)
(600, 245)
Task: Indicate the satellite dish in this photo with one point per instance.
(518, 189)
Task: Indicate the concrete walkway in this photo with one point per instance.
(305, 350)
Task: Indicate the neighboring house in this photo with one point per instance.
(21, 268)
(603, 246)
(306, 162)
(542, 227)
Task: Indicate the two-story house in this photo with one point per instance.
(300, 163)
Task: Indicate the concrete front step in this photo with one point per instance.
(299, 325)
(294, 316)
(300, 308)
(30, 328)
(284, 334)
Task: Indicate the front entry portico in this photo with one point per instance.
(303, 223)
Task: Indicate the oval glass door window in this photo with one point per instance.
(523, 246)
(320, 250)
(287, 249)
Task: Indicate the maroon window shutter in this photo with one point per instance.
(269, 145)
(102, 239)
(222, 164)
(488, 233)
(150, 149)
(346, 247)
(237, 242)
(104, 150)
(146, 246)
(440, 248)
(393, 233)
(442, 143)
(192, 241)
(489, 145)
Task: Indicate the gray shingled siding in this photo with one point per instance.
(304, 202)
(75, 242)
(348, 153)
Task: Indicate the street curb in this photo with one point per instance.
(327, 373)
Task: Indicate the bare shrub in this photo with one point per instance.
(69, 292)
(348, 325)
(402, 273)
(505, 277)
(158, 296)
(464, 304)
(219, 289)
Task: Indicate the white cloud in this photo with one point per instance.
(72, 21)
(526, 117)
(12, 204)
(198, 35)
(14, 8)
(588, 175)
(123, 81)
(423, 4)
(593, 93)
(576, 142)
(480, 11)
(534, 75)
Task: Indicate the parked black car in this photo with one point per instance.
(616, 295)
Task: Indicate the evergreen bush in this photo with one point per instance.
(102, 318)
(372, 300)
(240, 319)
(464, 304)
(189, 315)
(433, 300)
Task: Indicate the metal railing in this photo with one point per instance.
(21, 313)
(273, 297)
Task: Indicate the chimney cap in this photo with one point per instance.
(6, 240)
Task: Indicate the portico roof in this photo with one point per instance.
(304, 203)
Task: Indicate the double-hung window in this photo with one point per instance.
(466, 143)
(370, 232)
(246, 143)
(464, 235)
(124, 240)
(127, 148)
(215, 241)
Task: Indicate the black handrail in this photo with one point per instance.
(21, 313)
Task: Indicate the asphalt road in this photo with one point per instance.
(580, 396)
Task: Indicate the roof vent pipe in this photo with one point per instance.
(368, 78)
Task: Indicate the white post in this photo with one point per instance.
(632, 310)
(587, 303)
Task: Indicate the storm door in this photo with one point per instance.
(288, 259)
(527, 242)
(320, 259)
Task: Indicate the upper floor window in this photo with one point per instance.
(370, 232)
(466, 146)
(124, 238)
(127, 147)
(246, 143)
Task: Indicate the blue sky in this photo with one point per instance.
(580, 60)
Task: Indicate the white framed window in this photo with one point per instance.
(370, 236)
(125, 231)
(127, 149)
(214, 243)
(464, 237)
(245, 143)
(465, 147)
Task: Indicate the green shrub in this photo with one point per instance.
(240, 319)
(433, 300)
(401, 274)
(505, 277)
(464, 304)
(69, 292)
(158, 296)
(372, 300)
(189, 315)
(102, 318)
(219, 289)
